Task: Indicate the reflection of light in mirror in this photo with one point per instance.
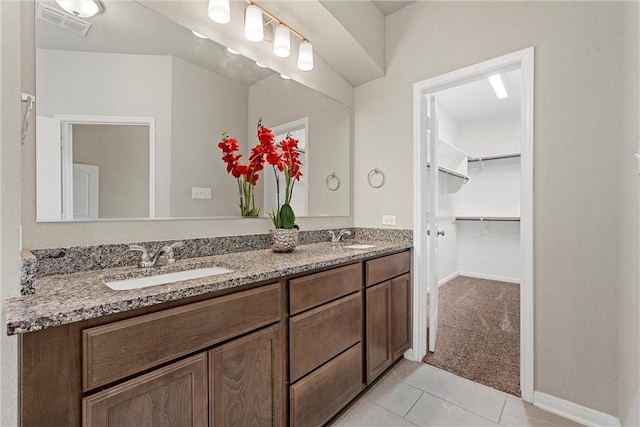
(233, 52)
(261, 64)
(198, 35)
(284, 76)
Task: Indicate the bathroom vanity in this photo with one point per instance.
(282, 340)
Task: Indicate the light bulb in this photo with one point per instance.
(305, 56)
(219, 11)
(253, 26)
(282, 42)
(81, 8)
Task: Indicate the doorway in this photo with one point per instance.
(442, 168)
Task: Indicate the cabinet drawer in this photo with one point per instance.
(119, 349)
(318, 335)
(315, 289)
(319, 396)
(381, 269)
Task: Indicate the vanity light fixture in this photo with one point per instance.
(198, 35)
(305, 56)
(82, 8)
(219, 11)
(282, 41)
(498, 86)
(253, 25)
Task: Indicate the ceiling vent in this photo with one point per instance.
(63, 20)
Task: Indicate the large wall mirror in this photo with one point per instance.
(130, 114)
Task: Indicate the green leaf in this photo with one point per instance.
(287, 217)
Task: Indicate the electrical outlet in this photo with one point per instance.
(388, 220)
(200, 193)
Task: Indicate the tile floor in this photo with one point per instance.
(416, 394)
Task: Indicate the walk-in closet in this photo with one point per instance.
(479, 246)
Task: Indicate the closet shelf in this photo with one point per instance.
(451, 172)
(495, 157)
(487, 218)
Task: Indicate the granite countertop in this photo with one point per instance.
(68, 298)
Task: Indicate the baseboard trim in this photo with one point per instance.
(490, 277)
(446, 279)
(573, 411)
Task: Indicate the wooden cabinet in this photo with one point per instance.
(388, 312)
(295, 352)
(245, 384)
(174, 395)
(325, 344)
(378, 330)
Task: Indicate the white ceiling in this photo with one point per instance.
(390, 6)
(477, 99)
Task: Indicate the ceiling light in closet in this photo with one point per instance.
(82, 8)
(219, 11)
(498, 86)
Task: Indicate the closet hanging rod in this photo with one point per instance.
(450, 172)
(501, 156)
(487, 218)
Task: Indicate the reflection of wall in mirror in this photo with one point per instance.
(122, 153)
(328, 139)
(191, 107)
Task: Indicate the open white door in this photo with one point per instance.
(433, 188)
(85, 191)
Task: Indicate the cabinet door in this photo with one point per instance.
(246, 382)
(378, 330)
(400, 315)
(175, 395)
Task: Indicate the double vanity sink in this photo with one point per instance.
(245, 337)
(159, 277)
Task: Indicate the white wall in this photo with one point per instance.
(577, 46)
(197, 123)
(329, 127)
(110, 84)
(492, 135)
(628, 306)
(9, 200)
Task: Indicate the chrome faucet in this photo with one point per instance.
(165, 252)
(337, 239)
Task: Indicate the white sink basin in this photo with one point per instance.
(161, 279)
(359, 246)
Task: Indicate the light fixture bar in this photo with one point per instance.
(277, 20)
(498, 86)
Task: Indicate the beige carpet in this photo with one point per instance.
(479, 332)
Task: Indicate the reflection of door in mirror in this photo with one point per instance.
(86, 191)
(122, 154)
(299, 200)
(106, 167)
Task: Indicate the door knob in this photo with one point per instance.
(441, 233)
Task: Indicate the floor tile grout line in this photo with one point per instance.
(504, 405)
(462, 407)
(391, 412)
(414, 404)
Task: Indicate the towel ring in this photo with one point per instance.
(333, 182)
(374, 172)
